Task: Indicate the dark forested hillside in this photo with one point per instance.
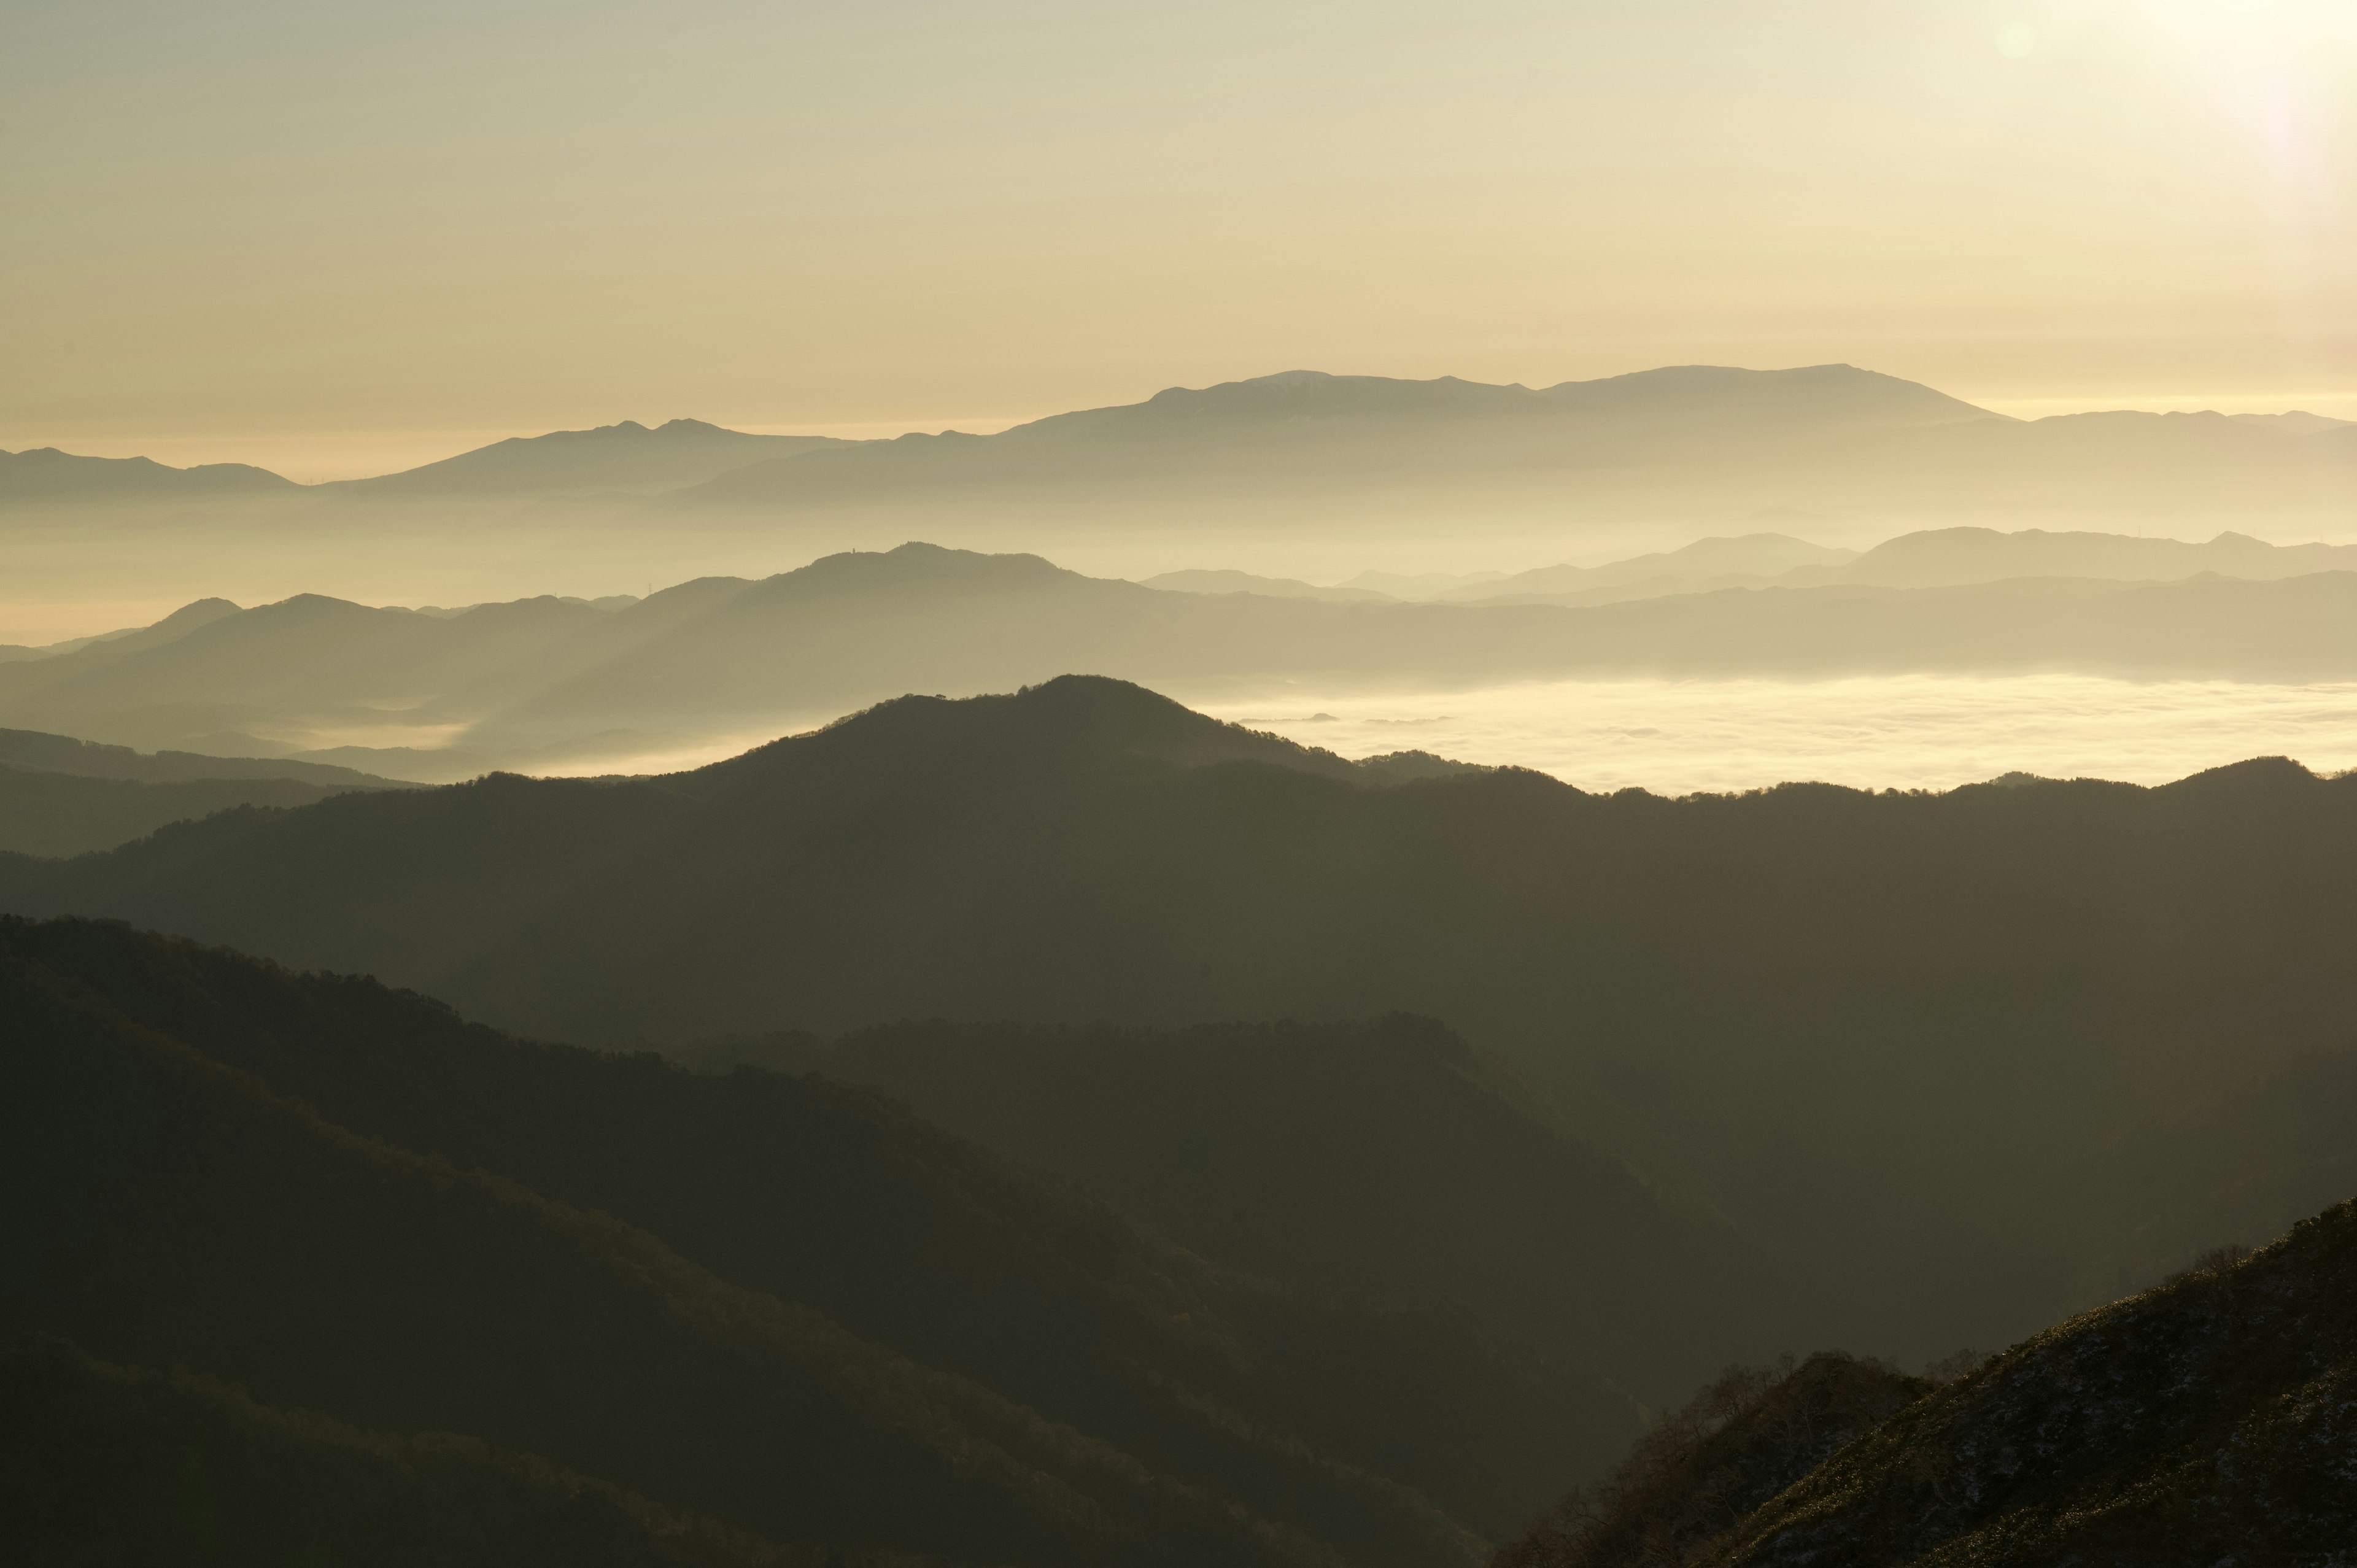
(1389, 1160)
(1702, 1469)
(2209, 1421)
(1819, 1010)
(2239, 1169)
(49, 814)
(764, 1299)
(102, 1463)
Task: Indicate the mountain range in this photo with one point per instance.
(1931, 558)
(1320, 1283)
(1708, 989)
(1307, 450)
(45, 474)
(560, 685)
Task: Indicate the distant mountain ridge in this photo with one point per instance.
(47, 475)
(627, 457)
(1927, 558)
(1300, 423)
(59, 796)
(1682, 440)
(1305, 450)
(534, 684)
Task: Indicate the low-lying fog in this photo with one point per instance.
(1677, 737)
(1881, 732)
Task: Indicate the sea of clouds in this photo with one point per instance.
(1677, 737)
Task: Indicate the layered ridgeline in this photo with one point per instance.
(1810, 1012)
(61, 796)
(1309, 449)
(286, 1233)
(1379, 1161)
(550, 683)
(628, 458)
(1928, 558)
(47, 477)
(1302, 451)
(2209, 1421)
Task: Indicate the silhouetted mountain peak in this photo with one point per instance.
(915, 563)
(679, 451)
(2257, 777)
(1069, 718)
(197, 613)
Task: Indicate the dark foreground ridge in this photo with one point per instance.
(768, 1301)
(2211, 1420)
(1713, 989)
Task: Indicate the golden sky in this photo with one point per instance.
(339, 238)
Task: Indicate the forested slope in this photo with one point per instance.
(1819, 1009)
(766, 1300)
(2211, 1420)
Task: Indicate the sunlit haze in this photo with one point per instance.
(339, 239)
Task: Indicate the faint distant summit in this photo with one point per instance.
(624, 456)
(48, 474)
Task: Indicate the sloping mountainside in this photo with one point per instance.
(766, 1300)
(1818, 1007)
(1701, 1470)
(1388, 1160)
(2213, 1420)
(107, 1464)
(53, 813)
(1305, 449)
(2239, 1169)
(46, 476)
(728, 656)
(625, 456)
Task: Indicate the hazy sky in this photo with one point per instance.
(339, 238)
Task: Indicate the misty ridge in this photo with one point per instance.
(1261, 476)
(1145, 787)
(1826, 428)
(1017, 1118)
(565, 684)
